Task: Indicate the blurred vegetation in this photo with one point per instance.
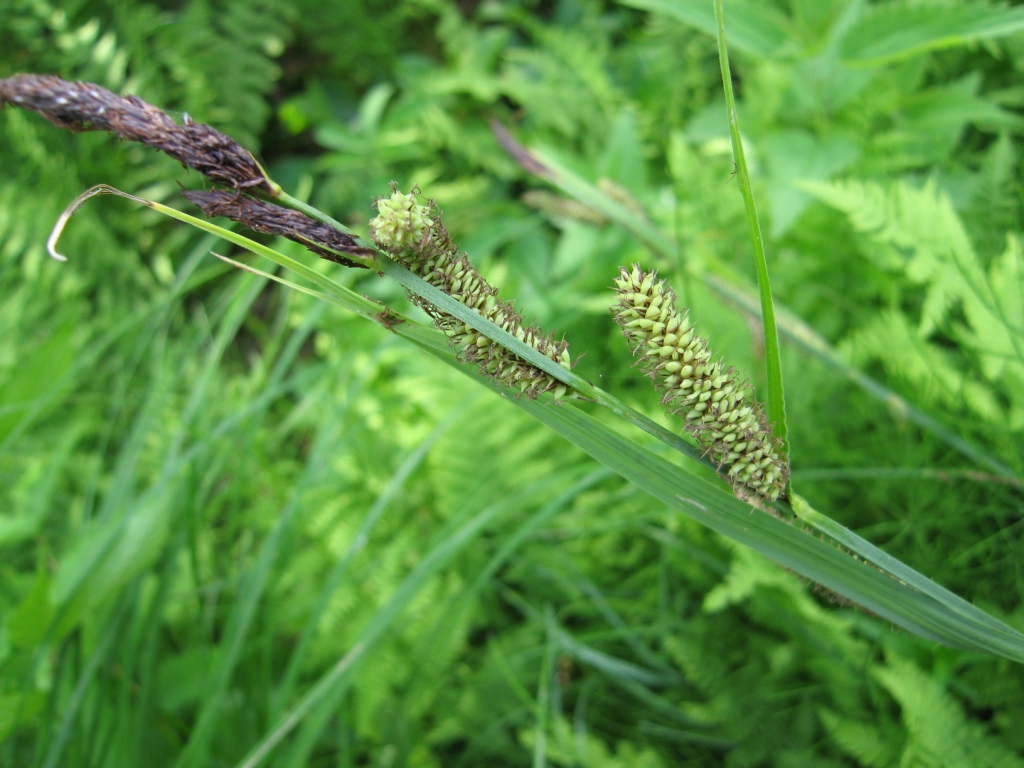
(217, 495)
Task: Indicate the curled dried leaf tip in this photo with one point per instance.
(411, 230)
(79, 106)
(719, 409)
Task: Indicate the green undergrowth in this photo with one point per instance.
(239, 526)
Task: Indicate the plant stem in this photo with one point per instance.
(772, 356)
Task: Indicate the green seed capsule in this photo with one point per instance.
(717, 407)
(412, 232)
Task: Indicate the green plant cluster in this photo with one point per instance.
(240, 527)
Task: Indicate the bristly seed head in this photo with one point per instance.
(413, 233)
(401, 222)
(719, 410)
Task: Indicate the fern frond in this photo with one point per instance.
(995, 326)
(917, 232)
(870, 744)
(223, 57)
(925, 368)
(938, 732)
(995, 207)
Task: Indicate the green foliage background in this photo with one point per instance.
(216, 495)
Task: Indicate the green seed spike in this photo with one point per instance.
(413, 233)
(719, 409)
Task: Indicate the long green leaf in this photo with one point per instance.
(884, 585)
(930, 612)
(949, 620)
(772, 355)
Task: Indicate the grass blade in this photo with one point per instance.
(772, 355)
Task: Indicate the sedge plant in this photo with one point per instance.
(487, 338)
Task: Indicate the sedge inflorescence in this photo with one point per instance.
(413, 233)
(719, 409)
(79, 106)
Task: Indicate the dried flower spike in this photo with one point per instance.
(719, 409)
(88, 107)
(273, 219)
(413, 233)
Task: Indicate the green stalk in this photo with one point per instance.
(772, 356)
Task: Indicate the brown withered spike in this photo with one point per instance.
(79, 106)
(273, 219)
